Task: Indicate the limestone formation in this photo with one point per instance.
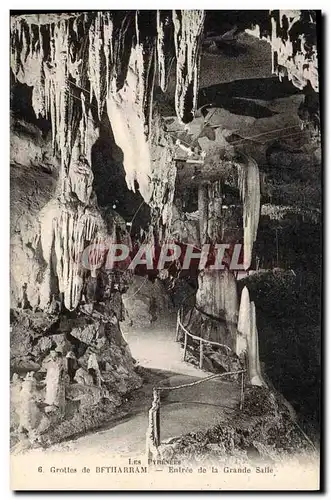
(247, 339)
(55, 384)
(144, 128)
(29, 413)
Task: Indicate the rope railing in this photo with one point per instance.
(196, 382)
(201, 340)
(153, 435)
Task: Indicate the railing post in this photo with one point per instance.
(185, 345)
(156, 399)
(201, 355)
(153, 435)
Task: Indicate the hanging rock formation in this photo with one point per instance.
(89, 68)
(79, 67)
(67, 76)
(249, 187)
(292, 35)
(188, 27)
(294, 57)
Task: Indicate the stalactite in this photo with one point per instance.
(49, 73)
(98, 49)
(107, 59)
(115, 58)
(188, 26)
(146, 34)
(249, 187)
(125, 111)
(217, 294)
(296, 55)
(214, 222)
(292, 35)
(164, 173)
(165, 49)
(65, 231)
(80, 172)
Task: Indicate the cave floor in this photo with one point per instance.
(183, 410)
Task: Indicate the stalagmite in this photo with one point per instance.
(249, 187)
(244, 323)
(253, 351)
(28, 411)
(92, 364)
(247, 338)
(55, 388)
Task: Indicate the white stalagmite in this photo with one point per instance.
(253, 352)
(188, 26)
(247, 338)
(249, 187)
(244, 322)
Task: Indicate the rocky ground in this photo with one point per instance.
(262, 432)
(88, 403)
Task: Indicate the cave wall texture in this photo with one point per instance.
(154, 126)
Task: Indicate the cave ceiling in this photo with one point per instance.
(243, 109)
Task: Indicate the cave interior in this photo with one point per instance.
(184, 128)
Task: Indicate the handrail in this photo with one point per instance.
(195, 337)
(153, 439)
(153, 435)
(196, 382)
(209, 316)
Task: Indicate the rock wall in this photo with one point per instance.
(33, 183)
(97, 373)
(146, 302)
(70, 366)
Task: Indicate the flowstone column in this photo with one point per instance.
(216, 310)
